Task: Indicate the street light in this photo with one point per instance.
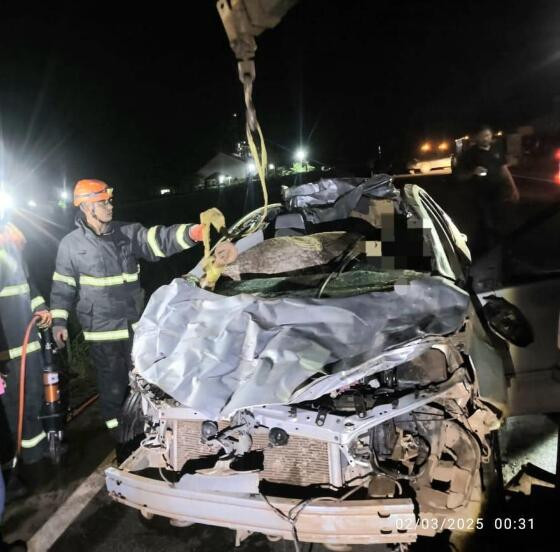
(251, 167)
(6, 201)
(271, 167)
(300, 155)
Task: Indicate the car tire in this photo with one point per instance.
(131, 425)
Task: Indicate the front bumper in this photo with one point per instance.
(328, 521)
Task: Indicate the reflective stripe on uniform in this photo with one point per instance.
(10, 464)
(18, 289)
(37, 302)
(66, 279)
(124, 278)
(112, 423)
(106, 336)
(16, 352)
(8, 261)
(180, 236)
(30, 443)
(152, 242)
(60, 313)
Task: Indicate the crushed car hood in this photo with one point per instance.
(219, 354)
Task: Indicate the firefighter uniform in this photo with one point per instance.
(98, 276)
(19, 300)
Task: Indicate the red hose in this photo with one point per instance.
(32, 323)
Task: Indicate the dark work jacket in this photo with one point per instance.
(99, 274)
(19, 299)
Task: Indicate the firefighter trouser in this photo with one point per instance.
(112, 361)
(34, 439)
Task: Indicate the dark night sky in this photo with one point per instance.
(145, 97)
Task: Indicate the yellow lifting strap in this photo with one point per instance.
(215, 259)
(260, 158)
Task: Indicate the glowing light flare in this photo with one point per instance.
(557, 155)
(444, 146)
(164, 191)
(64, 195)
(271, 167)
(426, 147)
(32, 204)
(300, 154)
(6, 200)
(251, 167)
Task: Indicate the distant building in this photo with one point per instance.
(221, 170)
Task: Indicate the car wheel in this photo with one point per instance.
(131, 425)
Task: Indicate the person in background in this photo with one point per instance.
(484, 168)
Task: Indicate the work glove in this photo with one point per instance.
(196, 232)
(45, 319)
(60, 334)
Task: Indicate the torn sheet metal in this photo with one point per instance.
(218, 354)
(335, 198)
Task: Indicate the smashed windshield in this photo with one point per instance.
(357, 280)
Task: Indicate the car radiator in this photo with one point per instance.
(300, 462)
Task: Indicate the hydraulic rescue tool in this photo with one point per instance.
(52, 412)
(52, 415)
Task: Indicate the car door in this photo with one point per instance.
(525, 270)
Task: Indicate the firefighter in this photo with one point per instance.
(97, 272)
(19, 300)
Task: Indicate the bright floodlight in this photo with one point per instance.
(221, 178)
(31, 204)
(64, 194)
(300, 154)
(251, 167)
(271, 167)
(164, 191)
(6, 201)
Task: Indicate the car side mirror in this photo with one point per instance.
(508, 321)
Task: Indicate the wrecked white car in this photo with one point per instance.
(338, 385)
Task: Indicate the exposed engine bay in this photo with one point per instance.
(418, 431)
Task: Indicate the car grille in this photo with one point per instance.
(300, 462)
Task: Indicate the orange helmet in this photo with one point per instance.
(90, 190)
